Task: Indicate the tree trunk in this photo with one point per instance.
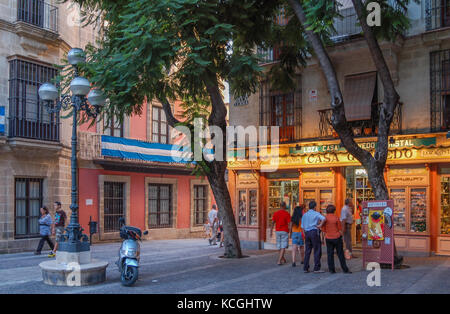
(216, 178)
(374, 165)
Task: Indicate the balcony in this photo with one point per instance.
(34, 129)
(347, 27)
(437, 14)
(361, 128)
(38, 13)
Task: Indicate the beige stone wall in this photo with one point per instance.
(408, 60)
(28, 158)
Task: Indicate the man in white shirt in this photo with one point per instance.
(347, 221)
(214, 223)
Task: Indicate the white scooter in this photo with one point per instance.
(129, 253)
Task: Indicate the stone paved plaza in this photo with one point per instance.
(191, 266)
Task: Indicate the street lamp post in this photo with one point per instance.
(74, 241)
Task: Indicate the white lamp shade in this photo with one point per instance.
(48, 91)
(76, 56)
(80, 86)
(96, 97)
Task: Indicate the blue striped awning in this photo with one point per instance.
(2, 120)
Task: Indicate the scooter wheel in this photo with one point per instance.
(129, 275)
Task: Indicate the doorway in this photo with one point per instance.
(281, 191)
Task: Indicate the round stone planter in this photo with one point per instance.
(73, 274)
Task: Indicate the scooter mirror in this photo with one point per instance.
(145, 232)
(121, 221)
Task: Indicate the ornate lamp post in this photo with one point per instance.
(73, 242)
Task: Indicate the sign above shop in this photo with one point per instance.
(399, 143)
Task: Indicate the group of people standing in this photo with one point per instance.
(214, 228)
(48, 227)
(308, 229)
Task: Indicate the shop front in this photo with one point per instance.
(417, 175)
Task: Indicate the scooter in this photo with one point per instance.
(129, 253)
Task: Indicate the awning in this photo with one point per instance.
(358, 95)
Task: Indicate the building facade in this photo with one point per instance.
(131, 170)
(312, 165)
(34, 145)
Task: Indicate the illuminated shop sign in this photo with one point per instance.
(400, 143)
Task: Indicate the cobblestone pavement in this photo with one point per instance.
(191, 266)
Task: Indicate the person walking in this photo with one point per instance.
(281, 220)
(221, 233)
(45, 225)
(347, 222)
(296, 234)
(213, 221)
(333, 237)
(58, 227)
(311, 222)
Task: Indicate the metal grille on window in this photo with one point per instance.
(160, 206)
(28, 117)
(437, 14)
(200, 204)
(28, 201)
(440, 90)
(38, 13)
(114, 205)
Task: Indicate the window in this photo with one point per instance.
(113, 127)
(440, 90)
(38, 13)
(114, 205)
(445, 205)
(282, 109)
(200, 204)
(160, 128)
(28, 117)
(283, 116)
(160, 209)
(248, 207)
(28, 201)
(437, 14)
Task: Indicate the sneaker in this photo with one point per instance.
(51, 254)
(319, 272)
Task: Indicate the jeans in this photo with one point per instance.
(41, 243)
(339, 246)
(312, 241)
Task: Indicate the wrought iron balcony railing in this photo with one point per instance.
(34, 129)
(361, 128)
(437, 14)
(38, 13)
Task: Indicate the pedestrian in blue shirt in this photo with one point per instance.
(311, 222)
(45, 227)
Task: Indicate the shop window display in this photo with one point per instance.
(399, 197)
(282, 191)
(418, 210)
(248, 207)
(445, 205)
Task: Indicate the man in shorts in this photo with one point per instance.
(58, 227)
(281, 220)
